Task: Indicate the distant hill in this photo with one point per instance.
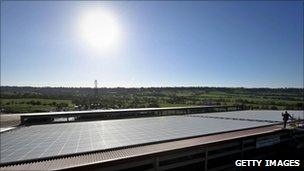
(31, 99)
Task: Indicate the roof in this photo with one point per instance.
(39, 142)
(253, 115)
(77, 160)
(118, 110)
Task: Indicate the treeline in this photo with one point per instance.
(105, 98)
(38, 103)
(32, 92)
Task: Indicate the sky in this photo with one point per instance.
(158, 44)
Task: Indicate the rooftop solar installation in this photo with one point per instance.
(261, 115)
(31, 142)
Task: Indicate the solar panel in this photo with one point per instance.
(262, 115)
(56, 139)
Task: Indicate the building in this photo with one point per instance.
(206, 141)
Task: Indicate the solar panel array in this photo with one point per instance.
(38, 141)
(259, 115)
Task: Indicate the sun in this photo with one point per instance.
(99, 29)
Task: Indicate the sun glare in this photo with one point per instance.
(99, 29)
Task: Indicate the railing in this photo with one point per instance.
(50, 117)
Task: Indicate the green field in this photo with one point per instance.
(35, 105)
(31, 99)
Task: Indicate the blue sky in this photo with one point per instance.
(202, 43)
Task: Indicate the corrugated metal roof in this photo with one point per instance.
(70, 161)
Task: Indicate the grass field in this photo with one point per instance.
(34, 105)
(33, 99)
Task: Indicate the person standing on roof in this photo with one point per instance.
(286, 117)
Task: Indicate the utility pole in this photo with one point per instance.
(95, 93)
(95, 83)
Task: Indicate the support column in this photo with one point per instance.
(206, 158)
(242, 148)
(156, 164)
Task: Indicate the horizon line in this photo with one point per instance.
(138, 87)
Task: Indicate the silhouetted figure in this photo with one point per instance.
(286, 117)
